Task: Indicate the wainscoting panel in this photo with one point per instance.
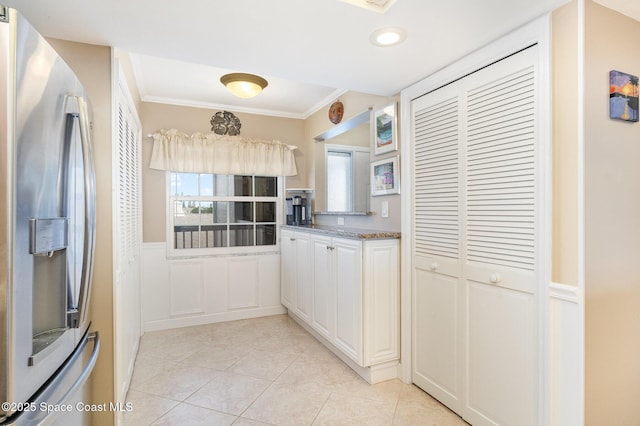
(243, 271)
(186, 281)
(203, 290)
(565, 315)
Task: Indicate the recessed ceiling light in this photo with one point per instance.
(386, 37)
(380, 6)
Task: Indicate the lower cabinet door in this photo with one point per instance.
(347, 260)
(303, 282)
(323, 310)
(288, 266)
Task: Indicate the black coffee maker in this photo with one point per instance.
(298, 212)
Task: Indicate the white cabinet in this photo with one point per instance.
(322, 314)
(295, 278)
(337, 290)
(303, 288)
(352, 288)
(288, 269)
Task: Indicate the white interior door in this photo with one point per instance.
(501, 244)
(476, 243)
(127, 235)
(437, 351)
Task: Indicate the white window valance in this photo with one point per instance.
(221, 154)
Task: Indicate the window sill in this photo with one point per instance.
(223, 252)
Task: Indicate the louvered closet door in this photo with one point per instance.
(127, 238)
(501, 378)
(475, 295)
(437, 306)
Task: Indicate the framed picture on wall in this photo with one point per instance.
(385, 177)
(623, 96)
(385, 129)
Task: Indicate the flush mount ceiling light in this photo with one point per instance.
(386, 37)
(244, 85)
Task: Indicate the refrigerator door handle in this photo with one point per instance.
(87, 369)
(80, 316)
(61, 390)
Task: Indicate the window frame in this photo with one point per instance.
(351, 150)
(173, 252)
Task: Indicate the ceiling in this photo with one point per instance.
(310, 51)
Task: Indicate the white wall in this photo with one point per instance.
(612, 226)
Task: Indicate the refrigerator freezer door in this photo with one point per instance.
(62, 401)
(46, 189)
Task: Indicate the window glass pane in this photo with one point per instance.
(186, 236)
(242, 186)
(206, 212)
(222, 185)
(213, 236)
(338, 181)
(266, 186)
(240, 235)
(265, 235)
(185, 184)
(200, 208)
(186, 225)
(265, 211)
(240, 211)
(206, 184)
(219, 212)
(174, 184)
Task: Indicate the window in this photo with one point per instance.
(347, 177)
(222, 213)
(339, 178)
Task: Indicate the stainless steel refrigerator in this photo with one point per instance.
(47, 232)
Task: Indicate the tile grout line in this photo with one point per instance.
(265, 389)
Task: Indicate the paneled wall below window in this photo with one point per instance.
(192, 291)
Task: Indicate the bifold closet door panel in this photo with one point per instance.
(501, 225)
(437, 303)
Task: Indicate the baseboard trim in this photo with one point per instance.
(373, 374)
(189, 321)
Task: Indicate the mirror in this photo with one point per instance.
(342, 167)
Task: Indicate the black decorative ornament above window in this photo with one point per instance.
(225, 123)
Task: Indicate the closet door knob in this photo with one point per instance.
(495, 278)
(433, 266)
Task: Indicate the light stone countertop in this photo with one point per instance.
(340, 231)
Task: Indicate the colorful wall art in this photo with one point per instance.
(623, 96)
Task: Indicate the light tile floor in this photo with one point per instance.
(263, 371)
